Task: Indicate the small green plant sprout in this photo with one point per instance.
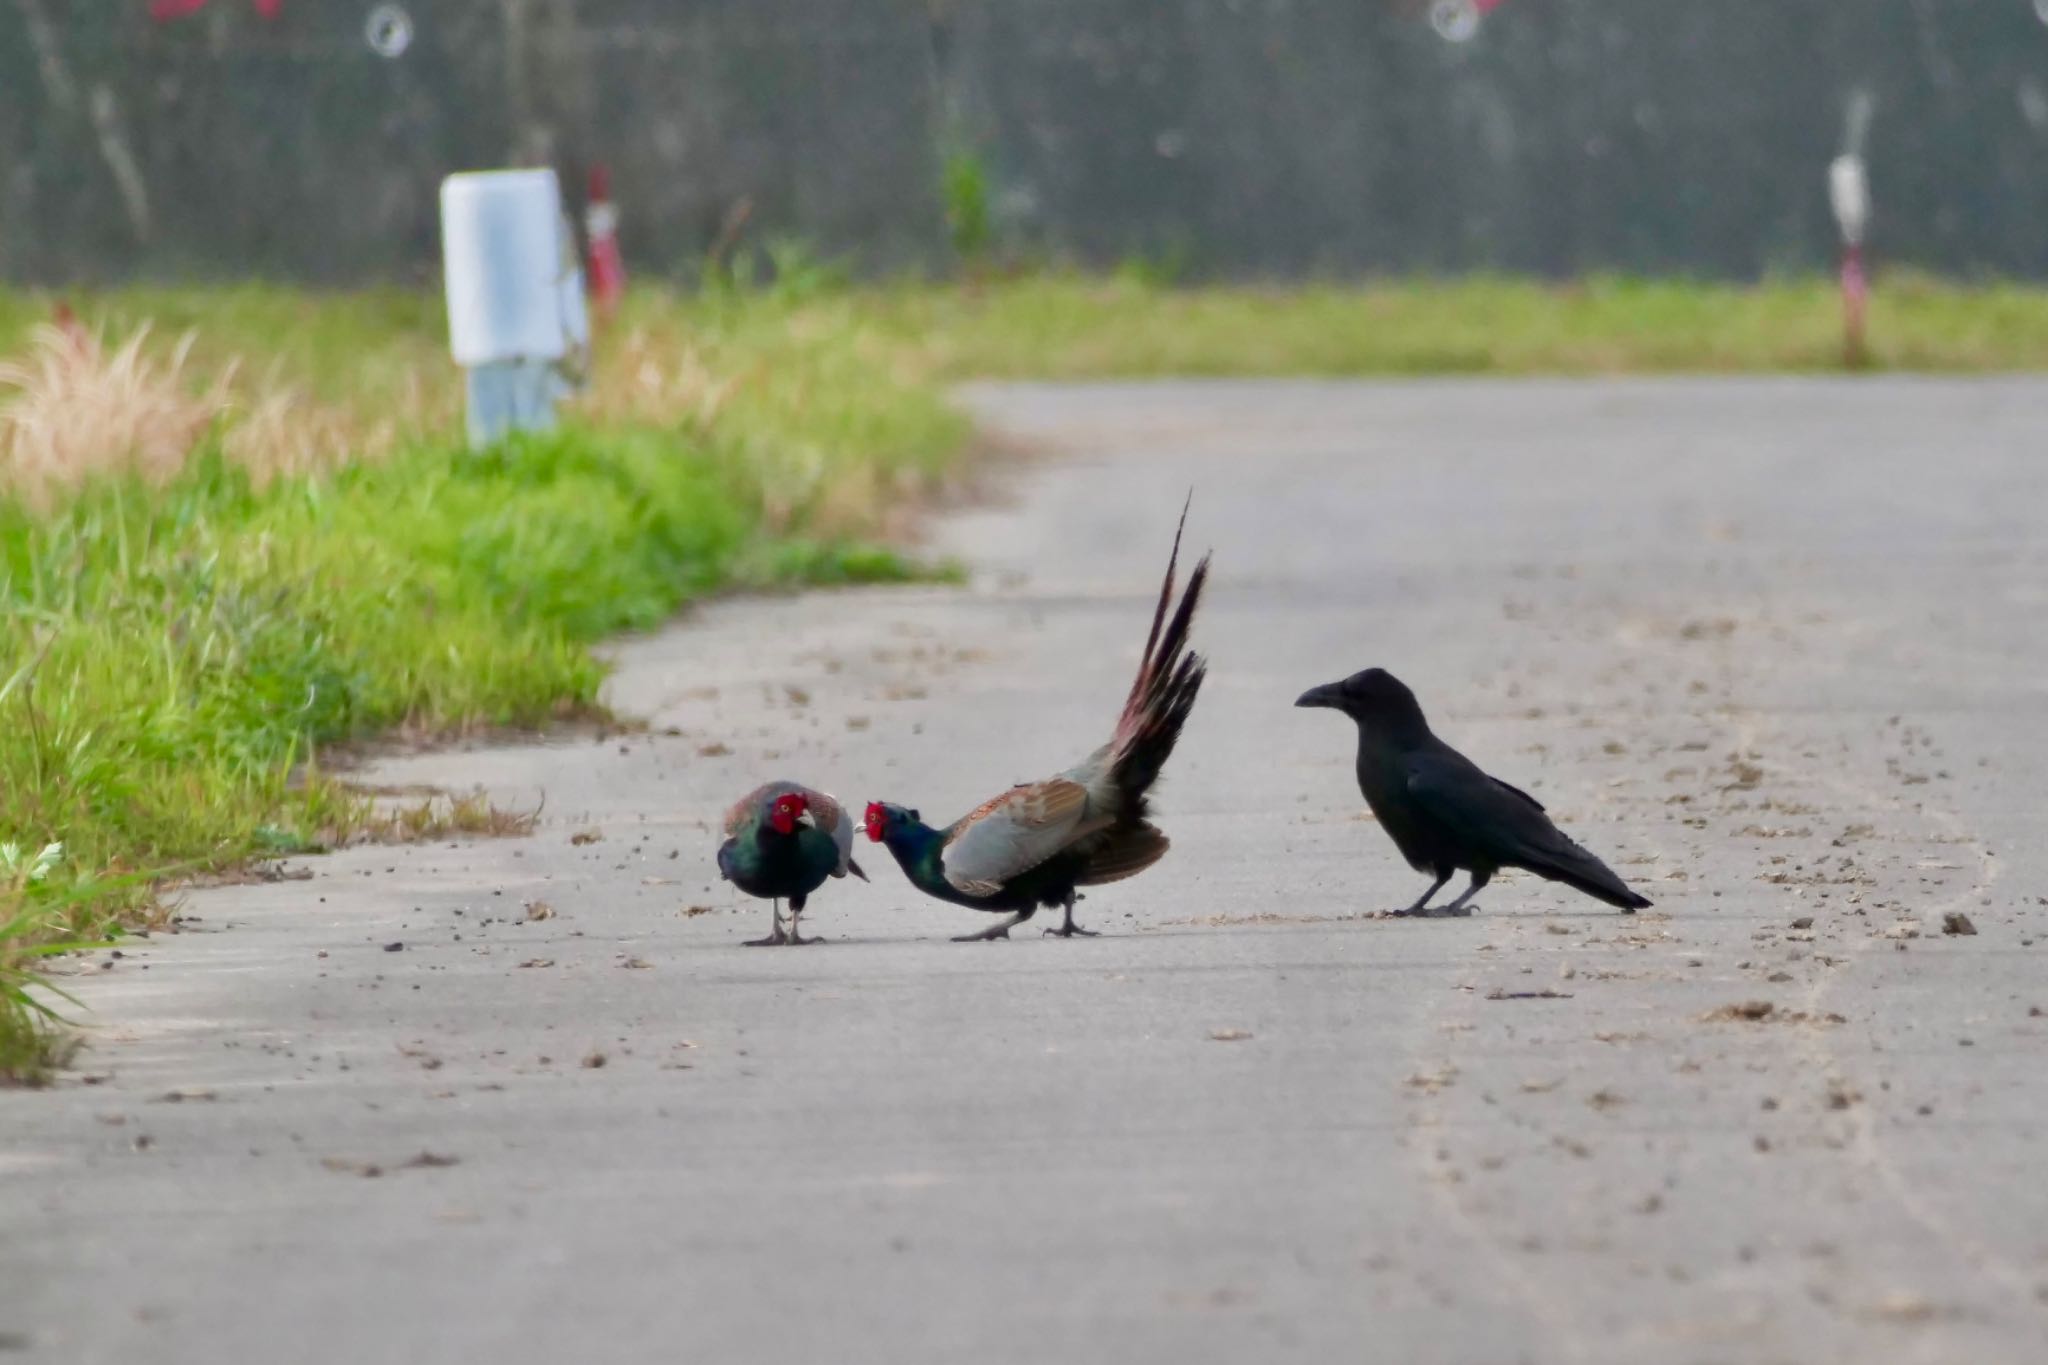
(25, 871)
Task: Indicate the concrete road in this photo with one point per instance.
(1776, 649)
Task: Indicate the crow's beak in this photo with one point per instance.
(1326, 695)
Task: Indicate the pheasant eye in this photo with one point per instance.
(875, 821)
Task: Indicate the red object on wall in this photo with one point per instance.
(66, 321)
(162, 10)
(607, 272)
(1455, 21)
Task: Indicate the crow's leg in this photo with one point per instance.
(998, 930)
(1416, 909)
(773, 939)
(1457, 907)
(1069, 929)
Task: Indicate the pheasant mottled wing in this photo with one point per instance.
(831, 817)
(754, 805)
(1015, 832)
(1123, 853)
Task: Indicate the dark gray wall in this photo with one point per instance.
(1238, 137)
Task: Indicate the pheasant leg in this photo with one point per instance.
(1069, 928)
(775, 939)
(995, 931)
(794, 936)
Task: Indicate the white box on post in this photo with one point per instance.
(516, 313)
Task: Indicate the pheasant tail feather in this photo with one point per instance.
(1163, 694)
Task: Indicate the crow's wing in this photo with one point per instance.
(1516, 790)
(1492, 822)
(1010, 834)
(1486, 817)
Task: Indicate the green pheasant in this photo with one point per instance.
(782, 841)
(1038, 842)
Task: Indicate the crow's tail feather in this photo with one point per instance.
(1582, 871)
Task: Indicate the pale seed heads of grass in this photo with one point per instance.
(447, 816)
(280, 435)
(79, 411)
(656, 381)
(71, 411)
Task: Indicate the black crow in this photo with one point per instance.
(1442, 812)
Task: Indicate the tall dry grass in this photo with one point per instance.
(79, 411)
(74, 410)
(836, 428)
(830, 423)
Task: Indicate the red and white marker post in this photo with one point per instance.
(1457, 21)
(1849, 195)
(601, 225)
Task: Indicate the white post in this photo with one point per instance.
(515, 296)
(1849, 196)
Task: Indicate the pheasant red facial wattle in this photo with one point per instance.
(787, 810)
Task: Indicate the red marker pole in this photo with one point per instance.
(1849, 195)
(601, 224)
(1855, 301)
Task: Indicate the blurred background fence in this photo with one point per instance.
(1236, 138)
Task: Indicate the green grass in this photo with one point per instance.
(186, 649)
(383, 347)
(1073, 328)
(181, 652)
(41, 892)
(178, 654)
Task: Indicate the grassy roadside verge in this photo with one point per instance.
(382, 349)
(1068, 328)
(217, 556)
(185, 631)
